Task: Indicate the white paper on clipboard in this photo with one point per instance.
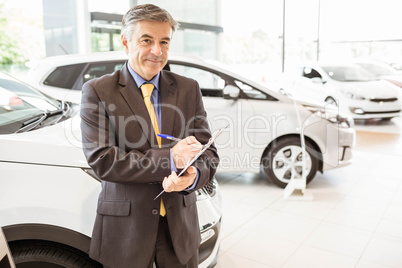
(206, 146)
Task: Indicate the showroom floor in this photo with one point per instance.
(354, 220)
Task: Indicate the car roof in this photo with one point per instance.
(44, 65)
(61, 60)
(55, 61)
(101, 56)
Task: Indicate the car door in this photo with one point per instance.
(231, 101)
(234, 146)
(310, 84)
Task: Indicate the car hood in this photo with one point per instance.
(287, 96)
(371, 89)
(394, 79)
(58, 145)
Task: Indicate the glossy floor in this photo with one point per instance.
(354, 220)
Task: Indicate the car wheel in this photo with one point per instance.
(283, 161)
(331, 100)
(42, 254)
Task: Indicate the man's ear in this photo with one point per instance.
(124, 42)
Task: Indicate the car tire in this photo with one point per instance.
(283, 160)
(43, 254)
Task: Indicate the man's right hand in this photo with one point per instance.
(185, 150)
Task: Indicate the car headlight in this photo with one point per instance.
(207, 235)
(353, 96)
(91, 173)
(332, 115)
(207, 191)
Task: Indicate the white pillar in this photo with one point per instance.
(83, 27)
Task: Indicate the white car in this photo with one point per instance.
(353, 89)
(62, 77)
(48, 193)
(264, 130)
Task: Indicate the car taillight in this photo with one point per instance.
(15, 100)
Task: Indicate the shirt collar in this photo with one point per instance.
(139, 80)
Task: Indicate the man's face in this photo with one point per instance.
(148, 47)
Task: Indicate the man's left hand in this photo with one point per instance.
(177, 184)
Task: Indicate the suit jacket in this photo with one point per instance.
(120, 146)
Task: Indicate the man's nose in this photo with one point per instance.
(156, 49)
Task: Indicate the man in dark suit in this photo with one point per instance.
(119, 130)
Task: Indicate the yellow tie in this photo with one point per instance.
(146, 93)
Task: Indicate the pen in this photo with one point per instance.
(164, 136)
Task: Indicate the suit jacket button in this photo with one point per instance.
(155, 212)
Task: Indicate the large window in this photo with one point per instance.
(198, 32)
(256, 38)
(206, 80)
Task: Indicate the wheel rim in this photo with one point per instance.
(288, 164)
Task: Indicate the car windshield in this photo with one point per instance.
(349, 73)
(20, 105)
(378, 69)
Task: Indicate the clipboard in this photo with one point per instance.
(205, 147)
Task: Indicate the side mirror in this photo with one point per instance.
(283, 92)
(231, 92)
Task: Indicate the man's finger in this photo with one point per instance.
(191, 140)
(164, 184)
(173, 178)
(191, 170)
(196, 147)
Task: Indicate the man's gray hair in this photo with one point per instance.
(147, 12)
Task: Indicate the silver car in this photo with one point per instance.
(265, 126)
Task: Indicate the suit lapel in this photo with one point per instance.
(168, 99)
(135, 102)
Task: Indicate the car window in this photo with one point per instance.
(64, 76)
(19, 103)
(210, 83)
(349, 73)
(311, 73)
(98, 69)
(378, 69)
(250, 92)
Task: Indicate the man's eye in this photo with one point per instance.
(146, 41)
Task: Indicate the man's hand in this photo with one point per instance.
(185, 150)
(177, 184)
